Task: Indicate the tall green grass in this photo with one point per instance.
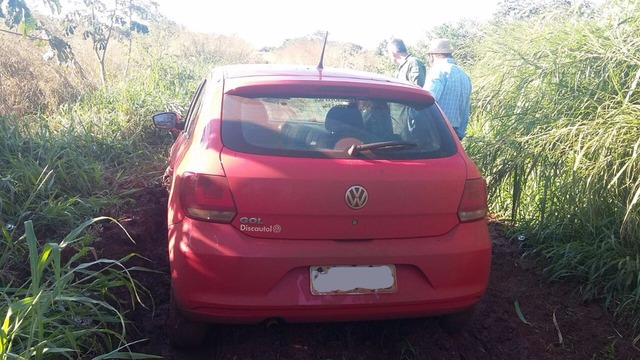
(60, 171)
(558, 107)
(67, 309)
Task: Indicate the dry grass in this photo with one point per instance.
(29, 84)
(307, 51)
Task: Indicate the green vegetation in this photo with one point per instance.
(64, 310)
(555, 130)
(66, 162)
(556, 103)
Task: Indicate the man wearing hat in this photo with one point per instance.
(449, 84)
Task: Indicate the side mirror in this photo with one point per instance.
(167, 121)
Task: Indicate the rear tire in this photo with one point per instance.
(183, 332)
(454, 323)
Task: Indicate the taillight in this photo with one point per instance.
(473, 205)
(207, 197)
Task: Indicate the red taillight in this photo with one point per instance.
(473, 205)
(207, 197)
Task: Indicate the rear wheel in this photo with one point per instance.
(454, 323)
(184, 332)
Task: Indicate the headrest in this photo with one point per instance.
(342, 118)
(254, 111)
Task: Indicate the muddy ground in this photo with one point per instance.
(555, 323)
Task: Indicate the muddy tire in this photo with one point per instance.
(183, 332)
(454, 323)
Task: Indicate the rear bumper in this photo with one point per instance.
(221, 275)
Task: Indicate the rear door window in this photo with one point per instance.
(335, 127)
(194, 109)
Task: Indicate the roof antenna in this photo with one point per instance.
(320, 66)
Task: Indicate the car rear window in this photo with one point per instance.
(329, 127)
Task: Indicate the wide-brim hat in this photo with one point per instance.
(440, 46)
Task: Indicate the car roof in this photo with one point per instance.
(283, 70)
(247, 75)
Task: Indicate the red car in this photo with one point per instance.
(302, 194)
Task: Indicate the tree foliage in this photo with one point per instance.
(462, 34)
(19, 18)
(515, 10)
(101, 22)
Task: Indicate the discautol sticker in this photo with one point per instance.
(261, 228)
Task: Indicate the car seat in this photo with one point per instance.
(344, 120)
(255, 124)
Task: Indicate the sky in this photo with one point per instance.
(271, 22)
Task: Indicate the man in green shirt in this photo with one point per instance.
(408, 66)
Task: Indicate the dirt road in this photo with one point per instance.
(554, 323)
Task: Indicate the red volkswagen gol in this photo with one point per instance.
(302, 194)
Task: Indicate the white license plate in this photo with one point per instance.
(357, 279)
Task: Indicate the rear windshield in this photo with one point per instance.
(334, 127)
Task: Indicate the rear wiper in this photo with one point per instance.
(385, 145)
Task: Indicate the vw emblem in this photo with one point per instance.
(356, 197)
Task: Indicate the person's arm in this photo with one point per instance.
(435, 82)
(417, 73)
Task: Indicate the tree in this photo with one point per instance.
(514, 10)
(96, 20)
(20, 21)
(462, 34)
(101, 23)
